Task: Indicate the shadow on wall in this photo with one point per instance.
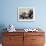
(2, 26)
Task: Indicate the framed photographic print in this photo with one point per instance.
(26, 14)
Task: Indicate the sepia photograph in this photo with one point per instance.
(26, 14)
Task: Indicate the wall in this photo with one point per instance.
(9, 13)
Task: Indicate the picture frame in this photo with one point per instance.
(26, 14)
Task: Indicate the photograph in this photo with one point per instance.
(26, 14)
